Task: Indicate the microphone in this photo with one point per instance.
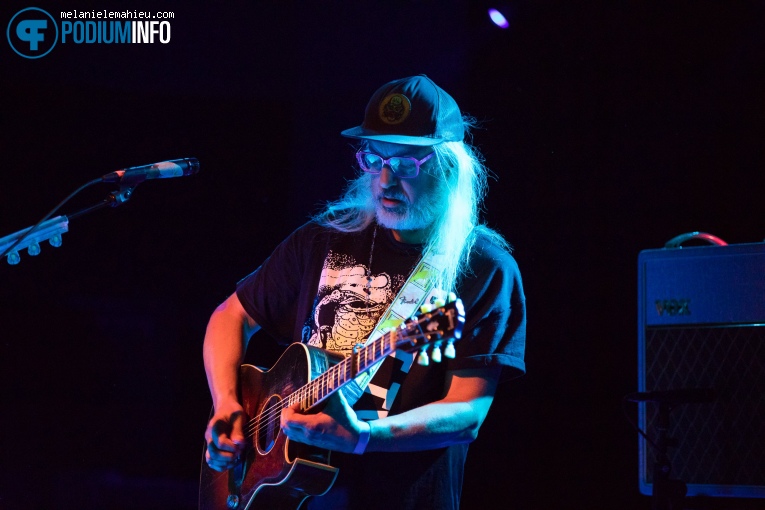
(675, 397)
(162, 170)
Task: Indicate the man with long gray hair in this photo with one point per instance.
(403, 237)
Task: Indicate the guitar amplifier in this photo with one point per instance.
(701, 325)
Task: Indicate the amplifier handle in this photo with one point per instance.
(676, 242)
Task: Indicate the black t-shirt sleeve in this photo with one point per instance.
(495, 322)
(271, 294)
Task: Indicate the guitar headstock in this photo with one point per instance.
(435, 328)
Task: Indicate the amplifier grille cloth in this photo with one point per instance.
(720, 443)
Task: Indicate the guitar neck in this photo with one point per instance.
(429, 329)
(345, 371)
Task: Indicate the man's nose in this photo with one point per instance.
(388, 179)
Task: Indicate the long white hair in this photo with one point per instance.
(462, 182)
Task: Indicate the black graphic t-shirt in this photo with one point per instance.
(350, 298)
(313, 289)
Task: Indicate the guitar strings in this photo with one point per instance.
(273, 413)
(342, 369)
(317, 388)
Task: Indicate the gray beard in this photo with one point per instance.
(411, 216)
(402, 218)
(430, 206)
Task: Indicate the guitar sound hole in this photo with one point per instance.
(268, 424)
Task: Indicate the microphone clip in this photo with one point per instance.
(120, 196)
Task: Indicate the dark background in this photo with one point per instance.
(612, 126)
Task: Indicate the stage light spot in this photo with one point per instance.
(498, 18)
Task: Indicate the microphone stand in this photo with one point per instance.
(52, 229)
(668, 494)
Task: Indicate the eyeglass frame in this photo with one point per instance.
(386, 162)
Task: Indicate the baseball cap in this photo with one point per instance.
(412, 111)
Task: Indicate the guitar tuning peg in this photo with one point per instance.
(33, 249)
(422, 358)
(438, 303)
(449, 351)
(426, 308)
(452, 297)
(435, 354)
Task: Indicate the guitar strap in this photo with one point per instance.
(418, 289)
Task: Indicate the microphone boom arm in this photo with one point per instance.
(51, 229)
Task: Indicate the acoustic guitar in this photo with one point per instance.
(275, 473)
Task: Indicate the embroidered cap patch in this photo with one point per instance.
(395, 108)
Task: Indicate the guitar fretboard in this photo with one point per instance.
(444, 323)
(343, 372)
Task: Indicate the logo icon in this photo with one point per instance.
(32, 32)
(394, 109)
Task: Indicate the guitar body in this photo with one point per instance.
(277, 474)
(274, 473)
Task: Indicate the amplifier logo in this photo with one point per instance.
(673, 307)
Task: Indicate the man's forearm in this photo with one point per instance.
(454, 419)
(431, 426)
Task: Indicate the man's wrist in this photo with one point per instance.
(364, 435)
